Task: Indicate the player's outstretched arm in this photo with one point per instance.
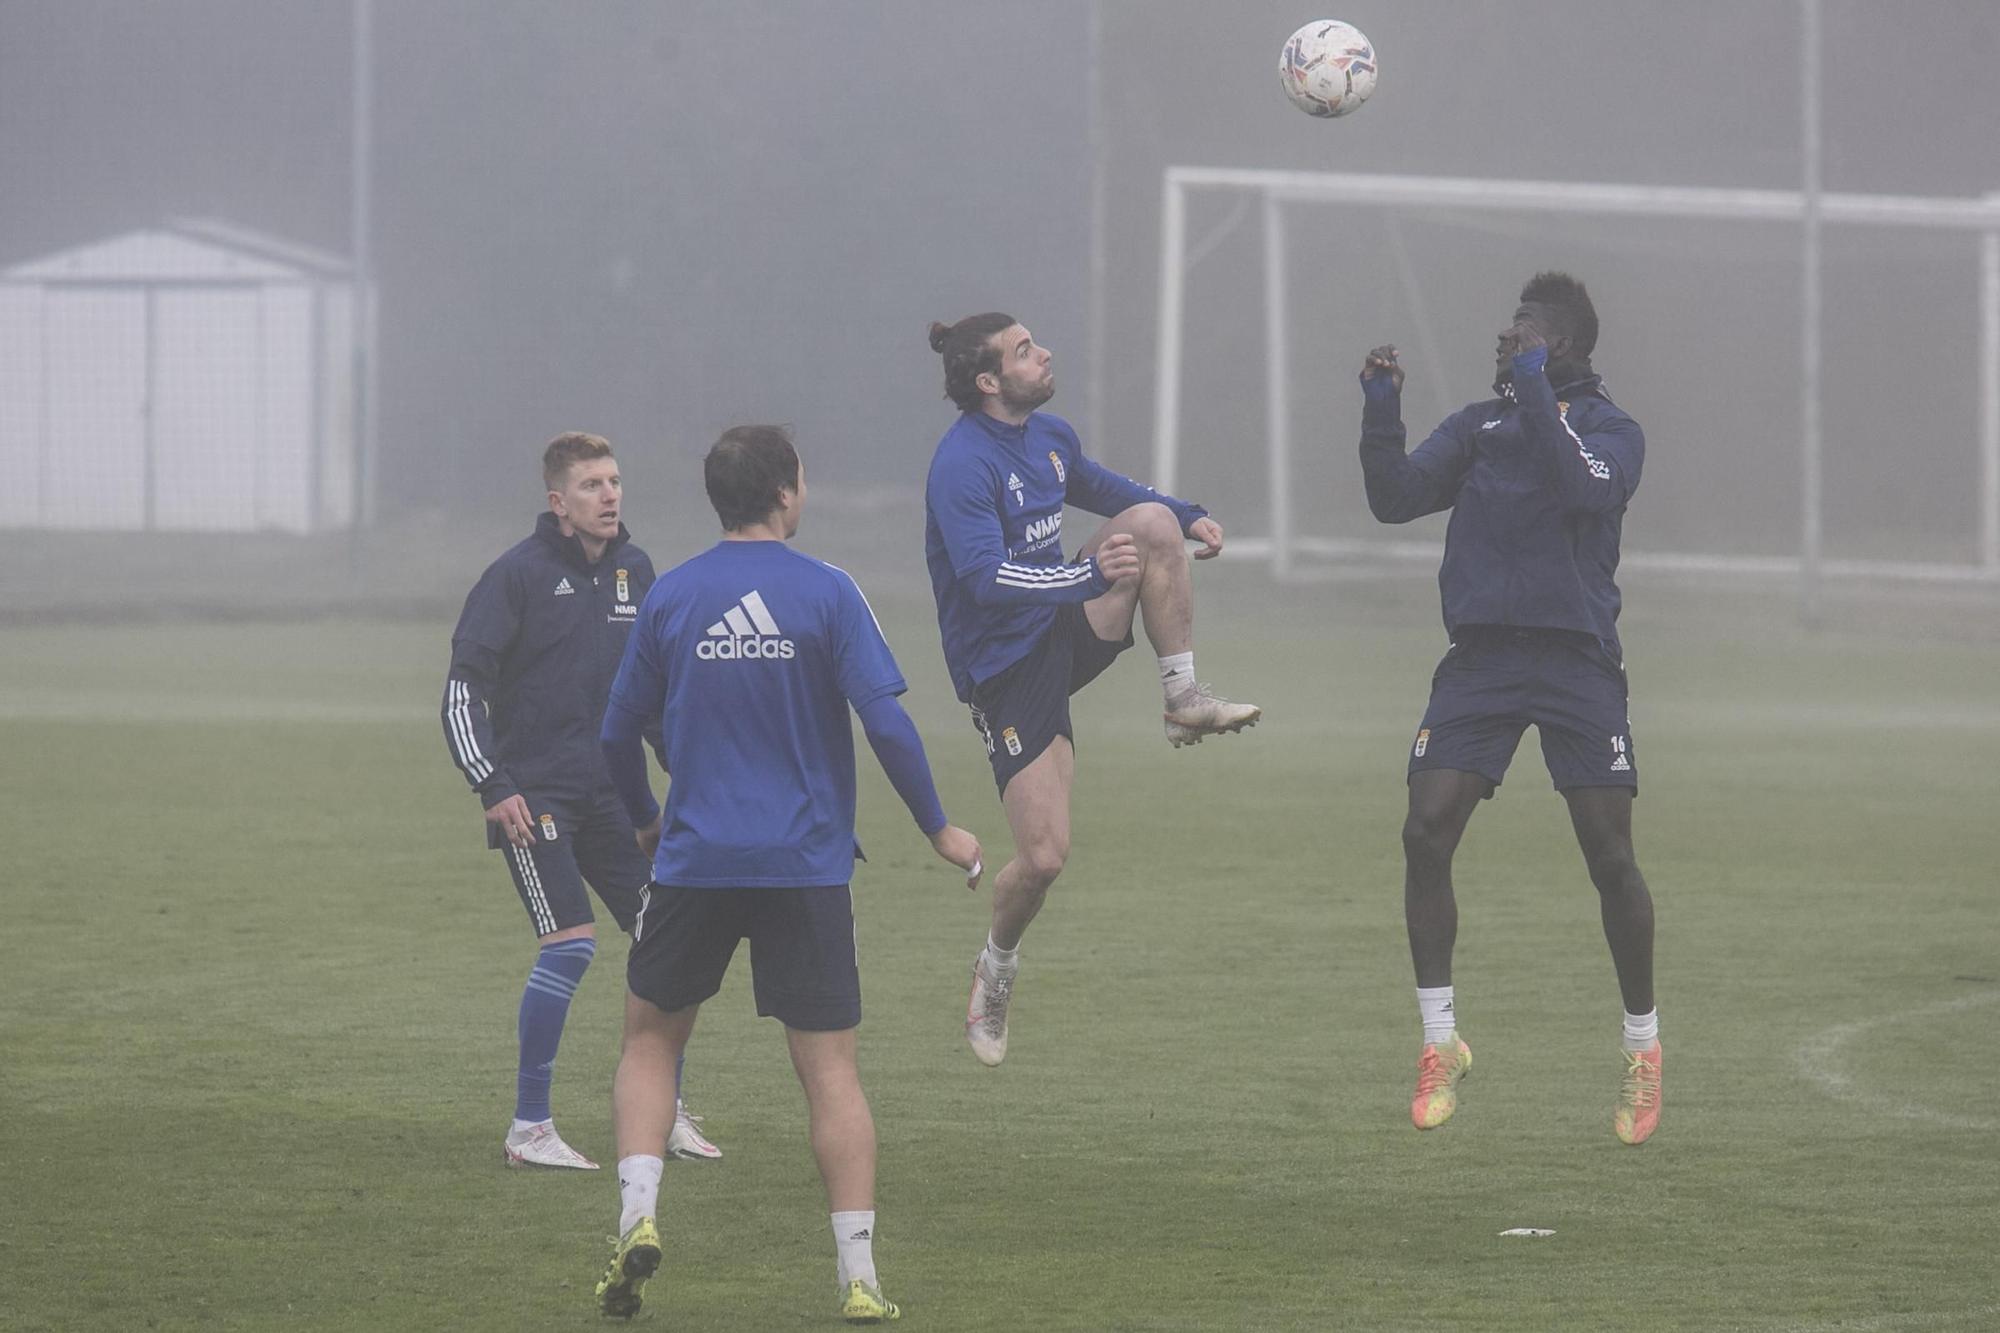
(1403, 486)
(900, 750)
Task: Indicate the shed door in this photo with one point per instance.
(206, 407)
(93, 471)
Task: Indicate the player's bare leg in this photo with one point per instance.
(1602, 818)
(843, 1143)
(642, 1106)
(1163, 599)
(843, 1131)
(1164, 591)
(643, 1090)
(1037, 806)
(1441, 803)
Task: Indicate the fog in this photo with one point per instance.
(653, 220)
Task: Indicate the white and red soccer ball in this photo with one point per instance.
(1327, 68)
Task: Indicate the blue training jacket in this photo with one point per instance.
(532, 661)
(1537, 485)
(993, 512)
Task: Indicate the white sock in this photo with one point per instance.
(638, 1188)
(854, 1246)
(1434, 1006)
(1642, 1030)
(1004, 960)
(1176, 672)
(523, 1126)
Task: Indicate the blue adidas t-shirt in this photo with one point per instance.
(750, 654)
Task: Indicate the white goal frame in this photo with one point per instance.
(1807, 209)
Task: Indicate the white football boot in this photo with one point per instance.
(540, 1145)
(1194, 713)
(986, 1012)
(685, 1141)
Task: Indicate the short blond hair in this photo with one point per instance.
(568, 449)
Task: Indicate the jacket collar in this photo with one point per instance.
(548, 531)
(1581, 387)
(999, 430)
(1586, 386)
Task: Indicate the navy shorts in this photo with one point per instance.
(1495, 682)
(802, 959)
(591, 840)
(1021, 711)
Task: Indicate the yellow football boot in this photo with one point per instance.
(621, 1290)
(863, 1304)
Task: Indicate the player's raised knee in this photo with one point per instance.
(1152, 525)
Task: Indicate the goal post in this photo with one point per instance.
(1278, 191)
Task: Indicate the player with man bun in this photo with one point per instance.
(1025, 627)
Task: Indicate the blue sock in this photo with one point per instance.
(544, 1005)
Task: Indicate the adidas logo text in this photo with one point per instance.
(746, 630)
(563, 589)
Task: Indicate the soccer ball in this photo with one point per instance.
(1327, 68)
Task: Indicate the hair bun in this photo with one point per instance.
(939, 333)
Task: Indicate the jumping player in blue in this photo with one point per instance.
(746, 660)
(1024, 627)
(531, 665)
(1537, 479)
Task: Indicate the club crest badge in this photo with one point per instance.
(1055, 461)
(548, 828)
(624, 585)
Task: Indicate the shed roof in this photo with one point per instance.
(159, 255)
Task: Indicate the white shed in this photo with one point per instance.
(196, 377)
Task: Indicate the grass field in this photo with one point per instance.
(258, 979)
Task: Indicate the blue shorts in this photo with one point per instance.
(576, 840)
(1021, 711)
(802, 958)
(1496, 681)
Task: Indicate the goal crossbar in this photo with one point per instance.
(1806, 208)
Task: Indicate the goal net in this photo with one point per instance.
(1818, 407)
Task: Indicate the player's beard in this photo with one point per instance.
(1025, 400)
